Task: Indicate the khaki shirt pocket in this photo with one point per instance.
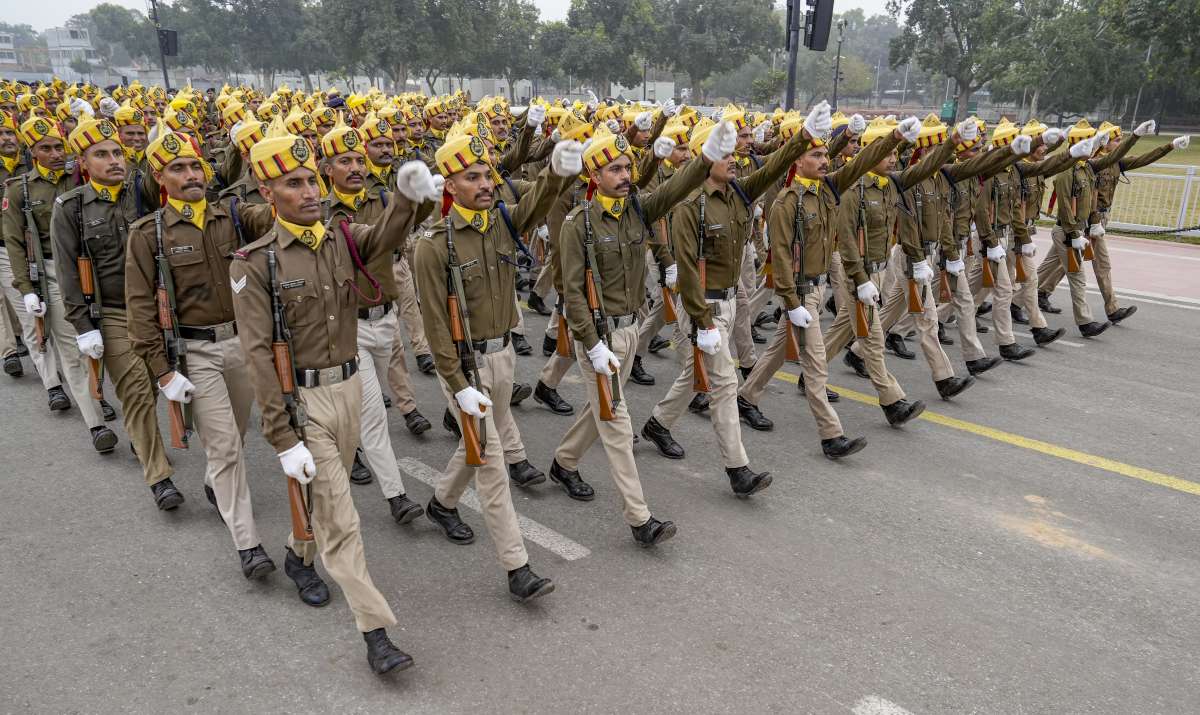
(300, 303)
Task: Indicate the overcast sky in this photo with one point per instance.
(55, 14)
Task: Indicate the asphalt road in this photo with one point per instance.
(953, 566)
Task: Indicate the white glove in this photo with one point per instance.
(439, 182)
(108, 107)
(178, 389)
(708, 340)
(1053, 136)
(543, 232)
(593, 100)
(800, 316)
(757, 211)
(33, 305)
(760, 132)
(968, 130)
(91, 344)
(1096, 230)
(721, 142)
(643, 121)
(80, 107)
(233, 132)
(1146, 127)
(858, 125)
(1079, 243)
(604, 361)
(1099, 141)
(1029, 250)
(922, 273)
(298, 463)
(555, 136)
(818, 122)
(415, 182)
(909, 128)
(956, 267)
(867, 293)
(669, 108)
(671, 276)
(535, 115)
(567, 158)
(995, 254)
(1022, 145)
(890, 118)
(613, 126)
(472, 401)
(1181, 142)
(1081, 150)
(663, 146)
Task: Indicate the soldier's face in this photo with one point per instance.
(314, 139)
(183, 179)
(323, 129)
(888, 164)
(851, 149)
(814, 163)
(680, 154)
(10, 107)
(723, 171)
(347, 171)
(440, 121)
(68, 126)
(133, 137)
(614, 179)
(381, 151)
(296, 196)
(105, 162)
(50, 154)
(400, 132)
(499, 127)
(1039, 153)
(473, 187)
(745, 136)
(8, 142)
(641, 139)
(416, 130)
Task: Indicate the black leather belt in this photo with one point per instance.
(492, 345)
(306, 377)
(375, 312)
(807, 285)
(209, 333)
(622, 321)
(722, 294)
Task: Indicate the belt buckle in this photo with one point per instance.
(375, 312)
(224, 331)
(329, 375)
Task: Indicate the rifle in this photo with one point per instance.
(916, 304)
(33, 254)
(285, 371)
(699, 371)
(607, 386)
(944, 294)
(562, 338)
(989, 280)
(669, 314)
(1074, 262)
(795, 335)
(88, 285)
(474, 439)
(164, 294)
(862, 314)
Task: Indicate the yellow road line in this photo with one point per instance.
(1036, 445)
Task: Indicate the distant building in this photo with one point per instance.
(66, 44)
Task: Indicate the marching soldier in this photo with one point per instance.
(28, 204)
(468, 261)
(90, 227)
(13, 162)
(296, 283)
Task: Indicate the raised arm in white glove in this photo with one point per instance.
(34, 305)
(1022, 145)
(644, 121)
(1096, 230)
(663, 146)
(1181, 142)
(858, 125)
(108, 107)
(867, 293)
(91, 344)
(818, 122)
(472, 401)
(298, 463)
(1082, 149)
(996, 253)
(178, 389)
(799, 316)
(671, 276)
(535, 115)
(415, 182)
(604, 361)
(1053, 136)
(721, 142)
(613, 126)
(669, 108)
(708, 340)
(760, 132)
(1146, 127)
(1099, 141)
(922, 273)
(909, 129)
(567, 158)
(968, 130)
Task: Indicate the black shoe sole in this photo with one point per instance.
(410, 515)
(576, 497)
(260, 571)
(667, 532)
(60, 406)
(540, 479)
(762, 484)
(855, 448)
(545, 589)
(402, 664)
(647, 380)
(420, 428)
(170, 503)
(105, 444)
(519, 396)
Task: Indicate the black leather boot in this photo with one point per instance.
(1015, 352)
(166, 496)
(700, 402)
(309, 584)
(521, 392)
(856, 364)
(107, 411)
(536, 304)
(425, 364)
(1045, 305)
(359, 472)
(549, 397)
(403, 509)
(549, 345)
(894, 342)
(638, 374)
(1045, 336)
(104, 440)
(653, 532)
(571, 482)
(524, 585)
(520, 345)
(57, 399)
(456, 529)
(658, 344)
(752, 416)
(838, 447)
(524, 474)
(1092, 329)
(382, 655)
(744, 482)
(654, 431)
(943, 338)
(1018, 314)
(901, 411)
(982, 365)
(1121, 313)
(255, 562)
(416, 423)
(952, 386)
(450, 424)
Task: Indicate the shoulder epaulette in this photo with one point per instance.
(148, 218)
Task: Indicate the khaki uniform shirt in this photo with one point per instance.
(1031, 186)
(1107, 177)
(41, 196)
(245, 189)
(368, 213)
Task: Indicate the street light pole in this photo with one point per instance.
(837, 62)
(793, 46)
(162, 55)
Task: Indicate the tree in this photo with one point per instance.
(969, 40)
(610, 38)
(767, 88)
(515, 35)
(706, 38)
(118, 34)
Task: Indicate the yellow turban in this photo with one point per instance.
(459, 152)
(933, 132)
(877, 129)
(373, 127)
(341, 139)
(732, 113)
(1033, 128)
(574, 127)
(298, 121)
(179, 120)
(1004, 132)
(233, 112)
(1114, 131)
(36, 129)
(170, 146)
(967, 146)
(605, 148)
(325, 117)
(128, 116)
(91, 131)
(281, 153)
(1082, 130)
(676, 131)
(248, 134)
(8, 121)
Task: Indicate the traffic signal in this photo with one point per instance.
(168, 42)
(816, 24)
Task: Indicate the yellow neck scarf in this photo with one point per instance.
(613, 207)
(106, 193)
(51, 175)
(809, 184)
(10, 162)
(310, 236)
(381, 172)
(354, 201)
(880, 181)
(193, 211)
(477, 219)
(133, 155)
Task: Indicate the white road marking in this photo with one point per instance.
(539, 534)
(875, 705)
(1060, 341)
(1140, 297)
(1154, 254)
(1161, 296)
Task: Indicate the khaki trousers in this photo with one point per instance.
(841, 333)
(962, 305)
(1025, 294)
(63, 335)
(556, 366)
(1052, 270)
(409, 308)
(375, 340)
(544, 285)
(491, 479)
(135, 388)
(1001, 293)
(837, 280)
(723, 380)
(46, 363)
(10, 327)
(331, 435)
(616, 435)
(220, 410)
(813, 366)
(747, 282)
(895, 307)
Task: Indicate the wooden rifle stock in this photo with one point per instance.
(562, 342)
(944, 283)
(1088, 252)
(178, 431)
(301, 528)
(87, 283)
(700, 381)
(669, 314)
(1022, 276)
(915, 305)
(95, 378)
(768, 272)
(39, 328)
(467, 425)
(604, 395)
(793, 343)
(989, 280)
(1073, 260)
